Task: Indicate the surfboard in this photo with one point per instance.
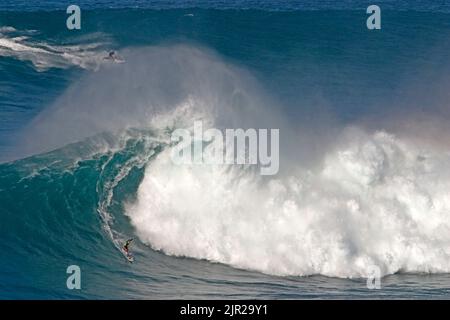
(128, 256)
(114, 60)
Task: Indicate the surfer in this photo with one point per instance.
(126, 246)
(111, 56)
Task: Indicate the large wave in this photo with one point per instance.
(366, 197)
(374, 200)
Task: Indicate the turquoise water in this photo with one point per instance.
(83, 145)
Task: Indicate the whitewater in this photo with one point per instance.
(376, 200)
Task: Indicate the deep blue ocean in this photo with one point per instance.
(364, 119)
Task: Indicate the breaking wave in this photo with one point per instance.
(370, 197)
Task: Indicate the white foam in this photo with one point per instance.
(375, 200)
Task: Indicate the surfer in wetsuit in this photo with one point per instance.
(126, 245)
(111, 56)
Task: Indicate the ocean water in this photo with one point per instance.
(364, 151)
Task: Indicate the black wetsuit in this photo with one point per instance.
(125, 246)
